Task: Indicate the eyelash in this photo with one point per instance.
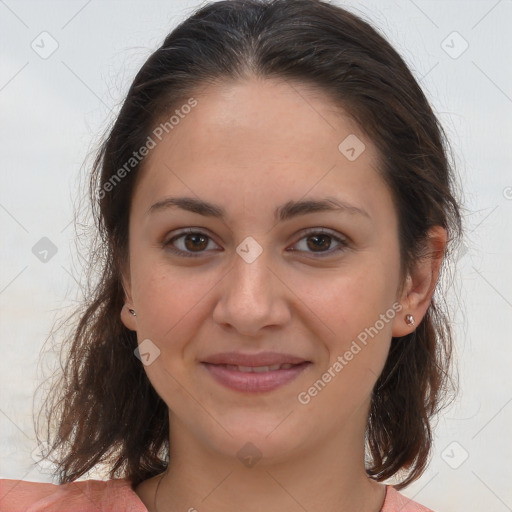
(311, 231)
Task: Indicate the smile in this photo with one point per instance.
(254, 379)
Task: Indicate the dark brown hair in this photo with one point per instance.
(103, 409)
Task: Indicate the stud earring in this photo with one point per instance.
(132, 311)
(409, 320)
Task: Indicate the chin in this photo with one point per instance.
(267, 440)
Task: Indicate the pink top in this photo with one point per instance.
(115, 495)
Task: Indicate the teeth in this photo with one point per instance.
(260, 369)
(248, 369)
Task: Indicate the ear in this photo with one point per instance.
(127, 318)
(421, 282)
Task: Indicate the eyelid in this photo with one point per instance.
(324, 231)
(338, 237)
(343, 240)
(167, 243)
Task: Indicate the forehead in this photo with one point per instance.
(262, 140)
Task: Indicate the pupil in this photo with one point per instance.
(195, 245)
(198, 242)
(321, 237)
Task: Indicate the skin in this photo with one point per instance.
(250, 146)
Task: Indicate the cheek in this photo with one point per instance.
(166, 300)
(357, 307)
(351, 300)
(168, 305)
(356, 304)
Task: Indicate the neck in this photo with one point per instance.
(329, 477)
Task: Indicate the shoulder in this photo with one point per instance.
(396, 502)
(79, 496)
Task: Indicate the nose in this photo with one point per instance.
(252, 298)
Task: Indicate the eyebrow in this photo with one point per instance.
(282, 213)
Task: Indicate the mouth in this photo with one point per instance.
(255, 379)
(257, 369)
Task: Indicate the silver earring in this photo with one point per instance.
(132, 311)
(409, 320)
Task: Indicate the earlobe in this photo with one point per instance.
(421, 283)
(127, 312)
(403, 324)
(128, 317)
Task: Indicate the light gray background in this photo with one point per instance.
(54, 109)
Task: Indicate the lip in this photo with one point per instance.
(256, 359)
(232, 378)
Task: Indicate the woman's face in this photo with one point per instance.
(258, 281)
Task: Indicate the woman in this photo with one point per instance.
(275, 205)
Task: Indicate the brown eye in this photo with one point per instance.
(189, 242)
(319, 242)
(195, 241)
